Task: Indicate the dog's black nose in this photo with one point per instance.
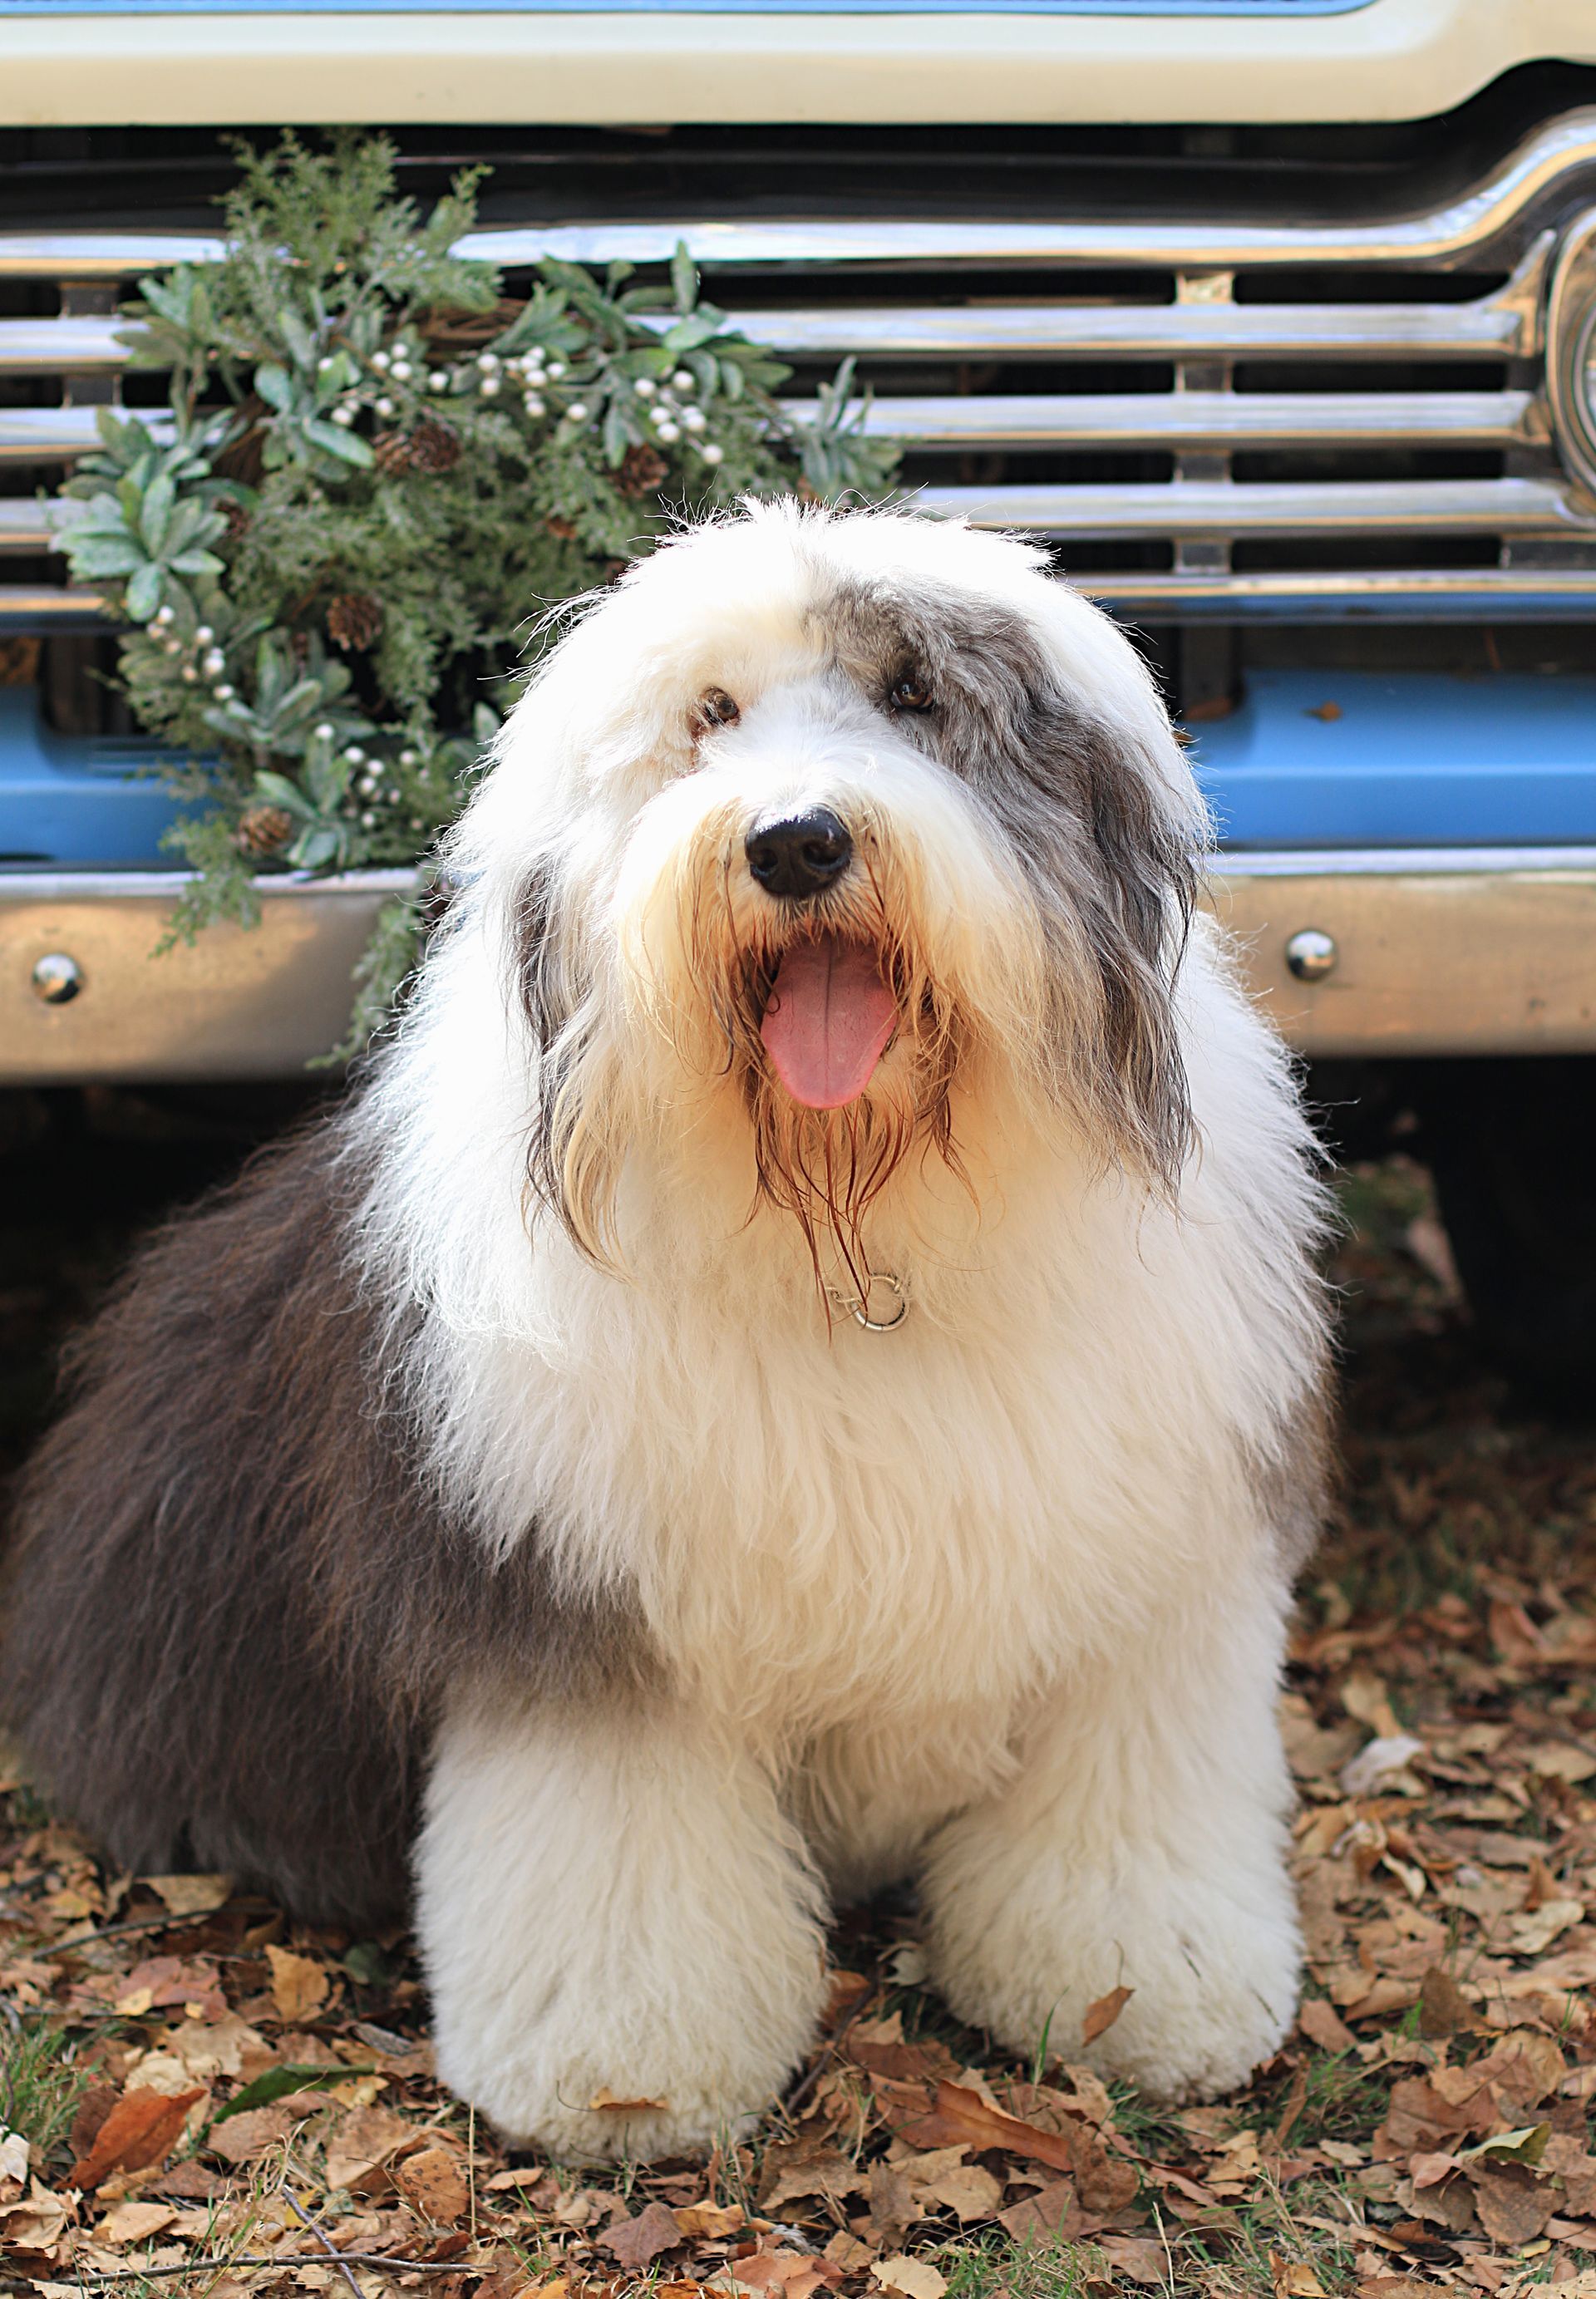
(799, 855)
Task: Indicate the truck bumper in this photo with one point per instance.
(1450, 952)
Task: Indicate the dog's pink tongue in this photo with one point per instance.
(828, 1022)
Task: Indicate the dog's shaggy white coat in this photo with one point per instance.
(995, 1600)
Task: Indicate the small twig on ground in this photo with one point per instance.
(112, 1931)
(267, 2259)
(9, 2106)
(324, 2240)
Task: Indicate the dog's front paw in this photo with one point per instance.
(609, 2079)
(1213, 1979)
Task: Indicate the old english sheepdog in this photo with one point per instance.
(800, 1366)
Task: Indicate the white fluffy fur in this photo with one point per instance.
(992, 1599)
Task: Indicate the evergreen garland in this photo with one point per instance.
(377, 474)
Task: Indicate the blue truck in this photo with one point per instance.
(1276, 318)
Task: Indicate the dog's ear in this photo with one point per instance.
(571, 1154)
(1098, 825)
(1137, 930)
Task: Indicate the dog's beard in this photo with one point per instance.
(828, 1167)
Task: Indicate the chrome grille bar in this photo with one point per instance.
(1230, 507)
(1217, 418)
(1489, 327)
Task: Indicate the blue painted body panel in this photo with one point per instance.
(68, 800)
(1405, 760)
(1326, 759)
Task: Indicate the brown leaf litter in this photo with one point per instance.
(1427, 2127)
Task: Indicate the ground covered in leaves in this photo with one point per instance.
(200, 2098)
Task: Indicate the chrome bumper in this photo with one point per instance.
(1454, 951)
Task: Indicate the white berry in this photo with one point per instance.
(682, 381)
(203, 636)
(693, 419)
(355, 756)
(380, 360)
(410, 757)
(323, 732)
(402, 371)
(556, 369)
(488, 362)
(437, 380)
(215, 663)
(533, 406)
(576, 412)
(343, 416)
(489, 387)
(711, 454)
(645, 388)
(368, 820)
(384, 407)
(223, 692)
(670, 433)
(162, 615)
(188, 674)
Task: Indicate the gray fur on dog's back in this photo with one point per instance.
(230, 1599)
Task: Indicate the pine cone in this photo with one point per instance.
(434, 446)
(263, 830)
(353, 620)
(431, 447)
(643, 470)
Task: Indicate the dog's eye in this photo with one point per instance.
(911, 692)
(716, 709)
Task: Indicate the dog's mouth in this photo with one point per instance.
(828, 1019)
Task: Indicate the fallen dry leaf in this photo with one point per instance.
(133, 2222)
(709, 2222)
(1514, 2204)
(636, 2243)
(961, 2116)
(299, 1983)
(141, 2129)
(362, 2144)
(914, 2279)
(1054, 2211)
(1101, 2015)
(432, 2183)
(190, 1896)
(36, 2223)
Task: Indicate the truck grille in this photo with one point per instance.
(1206, 419)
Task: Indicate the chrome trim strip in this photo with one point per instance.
(1517, 195)
(1219, 507)
(1216, 419)
(1402, 862)
(1419, 595)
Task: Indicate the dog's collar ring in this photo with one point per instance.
(859, 1309)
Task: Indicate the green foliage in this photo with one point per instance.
(375, 473)
(42, 2080)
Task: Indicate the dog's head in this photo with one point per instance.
(848, 832)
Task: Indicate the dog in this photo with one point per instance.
(800, 1366)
